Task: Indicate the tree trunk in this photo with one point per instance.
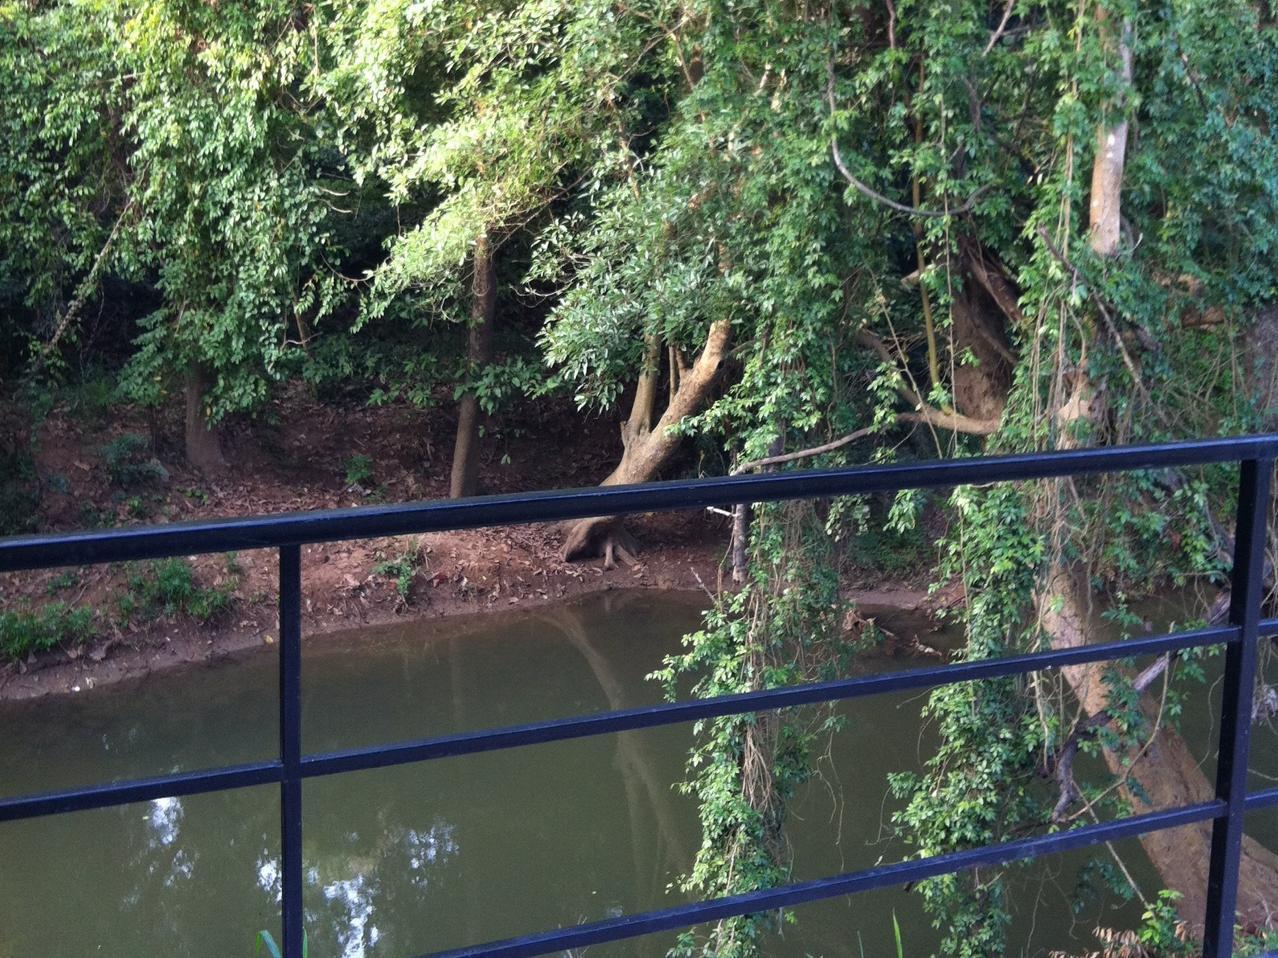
(1105, 208)
(648, 448)
(980, 384)
(203, 449)
(479, 347)
(1164, 774)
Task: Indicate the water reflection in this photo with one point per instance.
(552, 836)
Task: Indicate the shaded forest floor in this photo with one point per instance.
(111, 467)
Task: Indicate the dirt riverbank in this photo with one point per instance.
(311, 455)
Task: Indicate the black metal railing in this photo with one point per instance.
(287, 533)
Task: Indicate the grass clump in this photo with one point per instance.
(52, 626)
(168, 587)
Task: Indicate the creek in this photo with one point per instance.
(415, 859)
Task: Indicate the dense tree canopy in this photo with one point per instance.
(791, 233)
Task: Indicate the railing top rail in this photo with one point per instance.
(225, 535)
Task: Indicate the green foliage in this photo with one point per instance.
(781, 628)
(402, 570)
(497, 384)
(229, 189)
(1161, 929)
(977, 787)
(648, 172)
(130, 464)
(359, 469)
(61, 183)
(62, 581)
(891, 544)
(1254, 945)
(19, 490)
(51, 626)
(169, 587)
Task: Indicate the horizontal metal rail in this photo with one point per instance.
(298, 528)
(287, 532)
(585, 726)
(140, 790)
(683, 916)
(1265, 798)
(627, 720)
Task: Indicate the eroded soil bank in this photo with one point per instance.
(311, 455)
(337, 598)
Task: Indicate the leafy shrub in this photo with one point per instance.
(62, 581)
(91, 398)
(19, 496)
(52, 626)
(130, 464)
(138, 507)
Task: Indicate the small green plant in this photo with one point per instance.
(403, 570)
(359, 470)
(61, 582)
(138, 507)
(130, 464)
(90, 400)
(198, 496)
(168, 586)
(53, 626)
(1256, 944)
(94, 517)
(265, 940)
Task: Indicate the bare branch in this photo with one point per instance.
(866, 190)
(82, 292)
(805, 453)
(1002, 25)
(1064, 766)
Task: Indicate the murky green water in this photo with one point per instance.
(411, 860)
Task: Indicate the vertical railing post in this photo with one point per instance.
(1247, 588)
(291, 750)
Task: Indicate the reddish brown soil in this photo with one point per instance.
(295, 459)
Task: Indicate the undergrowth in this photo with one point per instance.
(168, 587)
(56, 625)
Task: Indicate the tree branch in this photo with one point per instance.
(1002, 25)
(82, 292)
(805, 453)
(1064, 764)
(924, 413)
